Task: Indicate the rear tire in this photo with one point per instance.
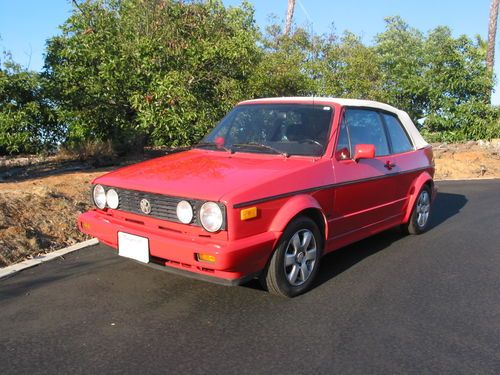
(295, 261)
(420, 215)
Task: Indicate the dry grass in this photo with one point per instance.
(37, 216)
(95, 153)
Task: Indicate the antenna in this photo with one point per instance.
(307, 15)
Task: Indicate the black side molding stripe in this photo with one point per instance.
(330, 186)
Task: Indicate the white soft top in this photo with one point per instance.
(417, 139)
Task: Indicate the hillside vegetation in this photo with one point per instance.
(163, 72)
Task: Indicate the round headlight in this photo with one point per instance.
(99, 195)
(184, 212)
(112, 198)
(211, 216)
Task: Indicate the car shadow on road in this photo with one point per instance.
(343, 259)
(445, 206)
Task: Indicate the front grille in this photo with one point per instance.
(162, 206)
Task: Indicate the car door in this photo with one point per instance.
(364, 193)
(404, 166)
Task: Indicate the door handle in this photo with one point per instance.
(389, 165)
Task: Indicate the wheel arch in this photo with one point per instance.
(424, 179)
(300, 205)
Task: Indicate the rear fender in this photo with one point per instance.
(292, 208)
(417, 185)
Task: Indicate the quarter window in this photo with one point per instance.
(343, 150)
(399, 139)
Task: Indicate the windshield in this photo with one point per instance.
(289, 129)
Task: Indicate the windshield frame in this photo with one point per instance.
(212, 138)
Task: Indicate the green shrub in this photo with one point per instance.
(28, 122)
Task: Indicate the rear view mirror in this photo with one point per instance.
(364, 151)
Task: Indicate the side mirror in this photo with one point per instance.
(219, 142)
(364, 151)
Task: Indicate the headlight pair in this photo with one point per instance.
(210, 214)
(103, 198)
(211, 217)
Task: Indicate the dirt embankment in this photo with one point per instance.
(39, 215)
(41, 198)
(467, 160)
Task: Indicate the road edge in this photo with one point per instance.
(39, 259)
(467, 179)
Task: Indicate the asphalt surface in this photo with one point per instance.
(388, 304)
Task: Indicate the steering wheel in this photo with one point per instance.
(309, 140)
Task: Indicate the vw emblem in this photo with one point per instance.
(145, 206)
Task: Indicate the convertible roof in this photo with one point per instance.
(412, 131)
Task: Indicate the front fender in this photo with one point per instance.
(417, 185)
(292, 208)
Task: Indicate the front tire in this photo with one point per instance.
(295, 261)
(420, 215)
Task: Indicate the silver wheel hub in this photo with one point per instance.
(300, 257)
(423, 208)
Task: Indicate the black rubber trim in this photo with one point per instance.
(185, 273)
(197, 276)
(191, 275)
(317, 188)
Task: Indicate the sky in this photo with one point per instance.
(25, 25)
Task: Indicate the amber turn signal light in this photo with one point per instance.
(248, 213)
(85, 226)
(206, 258)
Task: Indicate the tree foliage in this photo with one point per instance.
(156, 71)
(28, 122)
(438, 78)
(163, 72)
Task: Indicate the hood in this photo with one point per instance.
(204, 174)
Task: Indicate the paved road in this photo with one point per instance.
(389, 304)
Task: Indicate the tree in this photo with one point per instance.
(163, 72)
(351, 69)
(28, 122)
(400, 49)
(284, 69)
(160, 72)
(289, 16)
(492, 32)
(438, 78)
(457, 85)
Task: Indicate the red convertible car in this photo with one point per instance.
(276, 185)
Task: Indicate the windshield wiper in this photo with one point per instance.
(259, 146)
(213, 145)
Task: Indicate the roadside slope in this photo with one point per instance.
(39, 215)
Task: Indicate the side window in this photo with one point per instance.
(365, 127)
(399, 139)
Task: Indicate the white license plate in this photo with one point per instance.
(133, 247)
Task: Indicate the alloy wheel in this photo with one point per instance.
(300, 257)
